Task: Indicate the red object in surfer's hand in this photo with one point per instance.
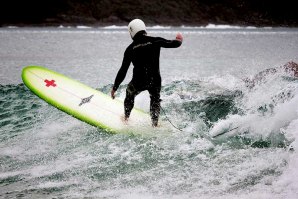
(179, 37)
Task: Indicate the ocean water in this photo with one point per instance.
(45, 153)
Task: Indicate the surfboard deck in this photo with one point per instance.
(83, 102)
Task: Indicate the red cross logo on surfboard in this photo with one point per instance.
(50, 83)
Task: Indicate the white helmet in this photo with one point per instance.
(135, 26)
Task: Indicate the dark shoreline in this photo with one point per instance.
(150, 26)
(257, 13)
(82, 21)
(124, 24)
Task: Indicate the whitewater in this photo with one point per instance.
(45, 153)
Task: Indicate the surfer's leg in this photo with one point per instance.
(154, 104)
(131, 93)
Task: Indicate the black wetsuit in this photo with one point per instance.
(144, 53)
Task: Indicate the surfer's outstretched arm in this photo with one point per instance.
(170, 43)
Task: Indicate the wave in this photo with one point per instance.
(18, 110)
(264, 113)
(53, 153)
(209, 26)
(212, 107)
(21, 111)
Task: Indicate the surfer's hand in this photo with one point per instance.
(113, 93)
(179, 37)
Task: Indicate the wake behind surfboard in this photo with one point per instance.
(82, 102)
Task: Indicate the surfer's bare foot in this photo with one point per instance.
(124, 119)
(155, 124)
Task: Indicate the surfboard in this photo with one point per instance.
(83, 102)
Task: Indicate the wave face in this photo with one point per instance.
(46, 152)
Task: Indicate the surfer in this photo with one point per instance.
(144, 53)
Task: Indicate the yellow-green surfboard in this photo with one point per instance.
(83, 102)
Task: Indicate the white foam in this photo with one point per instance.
(115, 27)
(213, 26)
(159, 27)
(258, 124)
(209, 26)
(273, 96)
(12, 27)
(84, 27)
(61, 26)
(288, 182)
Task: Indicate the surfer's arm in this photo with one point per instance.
(123, 70)
(170, 43)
